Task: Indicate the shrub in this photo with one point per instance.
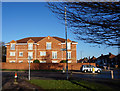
(63, 61)
(36, 61)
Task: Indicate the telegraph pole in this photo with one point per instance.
(66, 45)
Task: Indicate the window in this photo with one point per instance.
(42, 61)
(12, 61)
(48, 45)
(30, 46)
(69, 61)
(69, 55)
(30, 61)
(12, 53)
(30, 54)
(68, 45)
(55, 61)
(20, 61)
(20, 53)
(54, 55)
(42, 53)
(12, 46)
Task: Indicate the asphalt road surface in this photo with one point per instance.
(8, 78)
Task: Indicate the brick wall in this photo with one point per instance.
(42, 66)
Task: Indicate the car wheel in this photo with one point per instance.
(98, 71)
(85, 71)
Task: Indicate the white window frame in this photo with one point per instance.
(20, 53)
(69, 55)
(54, 61)
(48, 45)
(21, 61)
(30, 61)
(12, 61)
(54, 54)
(69, 61)
(68, 45)
(42, 53)
(12, 53)
(30, 46)
(42, 61)
(29, 54)
(11, 47)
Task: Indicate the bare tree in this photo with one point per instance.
(97, 22)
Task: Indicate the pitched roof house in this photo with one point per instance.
(106, 60)
(45, 49)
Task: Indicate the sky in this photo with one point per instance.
(34, 19)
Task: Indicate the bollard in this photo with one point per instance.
(93, 70)
(15, 82)
(112, 74)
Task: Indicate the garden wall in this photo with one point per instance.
(43, 66)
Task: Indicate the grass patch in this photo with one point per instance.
(93, 85)
(65, 84)
(55, 84)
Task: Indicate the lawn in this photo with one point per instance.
(56, 84)
(66, 84)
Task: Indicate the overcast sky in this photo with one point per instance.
(21, 20)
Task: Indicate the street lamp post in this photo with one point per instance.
(66, 46)
(29, 67)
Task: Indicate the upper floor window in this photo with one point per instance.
(54, 55)
(20, 53)
(30, 54)
(42, 53)
(12, 53)
(48, 45)
(12, 46)
(68, 45)
(30, 46)
(69, 55)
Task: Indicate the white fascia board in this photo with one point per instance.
(7, 44)
(21, 44)
(74, 43)
(62, 43)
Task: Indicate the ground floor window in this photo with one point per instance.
(54, 61)
(21, 61)
(12, 61)
(42, 61)
(70, 61)
(30, 61)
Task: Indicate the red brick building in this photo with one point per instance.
(45, 49)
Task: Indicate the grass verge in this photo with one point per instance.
(72, 84)
(56, 84)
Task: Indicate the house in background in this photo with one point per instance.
(93, 60)
(84, 60)
(108, 60)
(45, 49)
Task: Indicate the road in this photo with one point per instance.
(8, 78)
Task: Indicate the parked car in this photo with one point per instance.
(89, 68)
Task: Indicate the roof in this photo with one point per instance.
(36, 39)
(110, 56)
(24, 40)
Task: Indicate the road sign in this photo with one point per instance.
(63, 49)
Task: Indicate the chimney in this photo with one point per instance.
(109, 53)
(101, 54)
